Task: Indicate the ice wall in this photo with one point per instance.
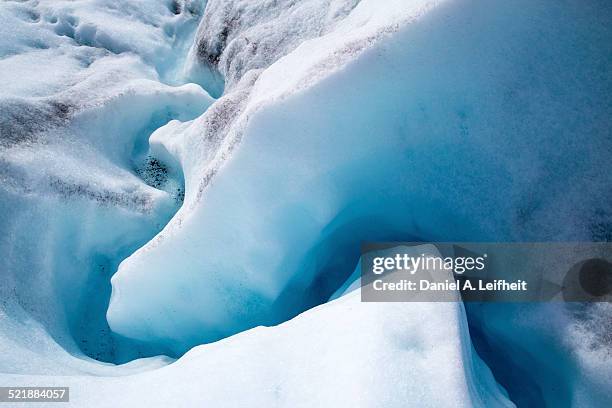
(444, 128)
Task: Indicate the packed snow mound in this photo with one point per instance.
(374, 355)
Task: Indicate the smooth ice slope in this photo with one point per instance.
(255, 244)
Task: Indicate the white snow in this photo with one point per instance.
(342, 354)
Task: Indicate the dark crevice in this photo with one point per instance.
(509, 366)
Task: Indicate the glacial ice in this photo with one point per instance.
(338, 121)
(219, 217)
(382, 129)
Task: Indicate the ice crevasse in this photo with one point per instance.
(336, 122)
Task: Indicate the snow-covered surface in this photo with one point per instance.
(342, 354)
(235, 37)
(337, 121)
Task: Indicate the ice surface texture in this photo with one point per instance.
(83, 87)
(337, 121)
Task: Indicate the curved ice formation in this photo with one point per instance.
(274, 224)
(380, 128)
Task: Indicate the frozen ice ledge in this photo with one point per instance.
(223, 160)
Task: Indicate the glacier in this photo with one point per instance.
(177, 174)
